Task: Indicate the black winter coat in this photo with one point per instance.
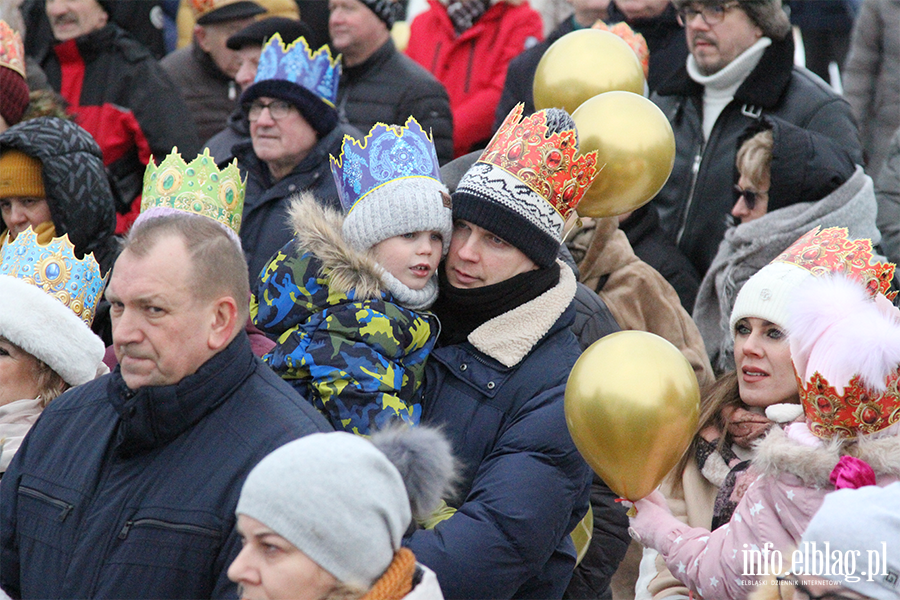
(651, 245)
(696, 200)
(131, 494)
(389, 87)
(75, 182)
(665, 40)
(265, 227)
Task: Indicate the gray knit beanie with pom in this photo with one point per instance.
(345, 501)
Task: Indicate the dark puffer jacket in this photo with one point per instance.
(524, 486)
(131, 494)
(76, 184)
(697, 198)
(266, 226)
(389, 88)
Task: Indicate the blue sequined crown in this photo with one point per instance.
(317, 72)
(54, 269)
(387, 153)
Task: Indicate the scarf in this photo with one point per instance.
(461, 311)
(397, 581)
(464, 13)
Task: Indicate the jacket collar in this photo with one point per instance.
(511, 336)
(763, 87)
(376, 60)
(207, 64)
(155, 415)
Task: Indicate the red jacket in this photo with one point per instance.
(473, 65)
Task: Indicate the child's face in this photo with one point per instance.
(411, 257)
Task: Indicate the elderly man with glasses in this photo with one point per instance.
(293, 130)
(740, 68)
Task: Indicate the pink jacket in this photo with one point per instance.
(775, 509)
(473, 65)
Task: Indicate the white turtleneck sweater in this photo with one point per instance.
(719, 88)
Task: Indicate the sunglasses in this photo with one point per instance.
(749, 196)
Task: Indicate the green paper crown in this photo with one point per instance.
(198, 187)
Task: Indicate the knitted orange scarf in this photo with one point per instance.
(397, 580)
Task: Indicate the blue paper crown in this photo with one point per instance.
(317, 72)
(54, 269)
(387, 153)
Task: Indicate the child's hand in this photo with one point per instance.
(653, 520)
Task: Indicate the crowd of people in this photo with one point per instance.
(282, 318)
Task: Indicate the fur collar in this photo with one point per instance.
(509, 337)
(318, 230)
(778, 455)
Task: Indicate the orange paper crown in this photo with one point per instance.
(546, 163)
(829, 251)
(12, 52)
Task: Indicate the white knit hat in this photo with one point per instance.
(768, 293)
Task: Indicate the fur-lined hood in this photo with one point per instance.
(778, 455)
(318, 231)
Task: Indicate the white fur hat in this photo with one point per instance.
(47, 329)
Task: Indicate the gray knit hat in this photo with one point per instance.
(400, 206)
(768, 15)
(346, 501)
(862, 521)
(390, 184)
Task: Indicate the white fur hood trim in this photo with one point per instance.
(318, 230)
(45, 328)
(509, 337)
(777, 455)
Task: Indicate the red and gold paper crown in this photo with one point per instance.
(12, 52)
(829, 251)
(546, 163)
(857, 411)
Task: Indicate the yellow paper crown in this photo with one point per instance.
(198, 187)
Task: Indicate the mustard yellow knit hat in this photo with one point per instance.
(20, 175)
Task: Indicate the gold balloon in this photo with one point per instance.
(635, 148)
(632, 404)
(582, 64)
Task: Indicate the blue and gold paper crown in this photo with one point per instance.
(54, 269)
(317, 72)
(198, 187)
(387, 153)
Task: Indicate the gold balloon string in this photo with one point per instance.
(572, 226)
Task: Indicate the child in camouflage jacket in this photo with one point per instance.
(342, 299)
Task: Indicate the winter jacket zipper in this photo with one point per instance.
(160, 524)
(695, 171)
(65, 507)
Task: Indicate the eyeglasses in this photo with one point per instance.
(278, 109)
(750, 197)
(712, 14)
(789, 584)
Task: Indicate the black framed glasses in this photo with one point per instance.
(789, 584)
(750, 197)
(278, 109)
(712, 14)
